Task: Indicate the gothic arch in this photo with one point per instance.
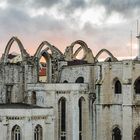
(52, 55)
(24, 54)
(55, 52)
(16, 133)
(87, 53)
(82, 118)
(62, 118)
(117, 86)
(82, 98)
(62, 98)
(48, 59)
(116, 133)
(38, 132)
(106, 51)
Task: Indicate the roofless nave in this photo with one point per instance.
(80, 99)
(68, 55)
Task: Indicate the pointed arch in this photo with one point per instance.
(52, 55)
(65, 81)
(45, 54)
(38, 132)
(106, 51)
(117, 86)
(137, 133)
(24, 54)
(16, 133)
(82, 122)
(116, 134)
(55, 52)
(62, 113)
(47, 68)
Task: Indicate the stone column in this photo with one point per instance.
(127, 101)
(49, 129)
(2, 132)
(127, 113)
(5, 130)
(74, 130)
(91, 115)
(28, 130)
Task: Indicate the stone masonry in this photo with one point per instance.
(81, 99)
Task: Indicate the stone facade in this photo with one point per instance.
(81, 99)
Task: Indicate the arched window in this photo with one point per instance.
(62, 119)
(116, 134)
(44, 67)
(33, 99)
(137, 86)
(137, 134)
(38, 133)
(81, 104)
(79, 80)
(65, 81)
(47, 70)
(16, 133)
(118, 87)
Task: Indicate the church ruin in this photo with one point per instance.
(75, 99)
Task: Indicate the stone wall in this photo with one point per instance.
(27, 120)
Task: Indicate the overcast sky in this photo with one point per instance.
(100, 23)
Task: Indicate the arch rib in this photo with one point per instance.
(87, 53)
(24, 54)
(108, 52)
(55, 52)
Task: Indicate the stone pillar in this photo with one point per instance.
(49, 129)
(28, 130)
(92, 98)
(127, 101)
(2, 132)
(74, 132)
(29, 94)
(127, 113)
(5, 129)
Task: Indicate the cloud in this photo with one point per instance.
(68, 5)
(45, 3)
(115, 39)
(125, 7)
(18, 20)
(74, 5)
(100, 23)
